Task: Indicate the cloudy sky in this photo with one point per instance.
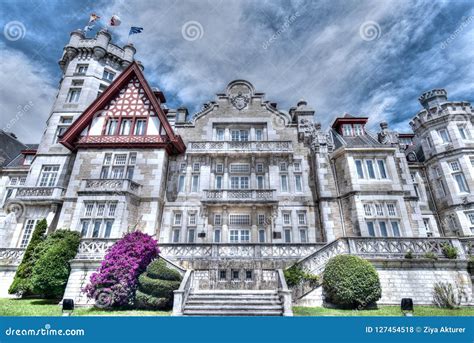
(371, 57)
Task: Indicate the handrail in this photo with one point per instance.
(284, 293)
(182, 293)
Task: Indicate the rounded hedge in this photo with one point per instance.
(158, 270)
(351, 282)
(148, 302)
(156, 287)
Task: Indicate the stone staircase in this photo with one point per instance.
(233, 303)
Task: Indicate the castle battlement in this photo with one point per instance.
(99, 47)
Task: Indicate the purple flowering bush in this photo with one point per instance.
(115, 282)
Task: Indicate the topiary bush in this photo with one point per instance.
(51, 270)
(21, 285)
(156, 286)
(115, 282)
(351, 282)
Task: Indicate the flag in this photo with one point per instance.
(115, 20)
(93, 17)
(134, 30)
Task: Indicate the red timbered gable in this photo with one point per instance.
(127, 114)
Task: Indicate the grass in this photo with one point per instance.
(382, 311)
(44, 307)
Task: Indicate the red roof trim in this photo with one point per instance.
(355, 120)
(28, 152)
(69, 139)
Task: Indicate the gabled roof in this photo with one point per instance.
(10, 147)
(348, 119)
(173, 143)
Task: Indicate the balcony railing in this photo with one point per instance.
(113, 186)
(218, 195)
(35, 194)
(250, 146)
(11, 256)
(94, 248)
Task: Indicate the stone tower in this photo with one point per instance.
(444, 133)
(88, 66)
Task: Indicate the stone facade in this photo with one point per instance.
(236, 191)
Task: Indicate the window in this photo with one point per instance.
(463, 132)
(220, 134)
(283, 167)
(258, 135)
(177, 218)
(358, 129)
(244, 236)
(360, 171)
(13, 181)
(371, 229)
(27, 230)
(28, 159)
(239, 182)
(383, 229)
(298, 183)
(379, 209)
(442, 190)
(370, 169)
(111, 127)
(239, 135)
(297, 167)
(391, 210)
(175, 236)
(182, 168)
(140, 126)
(382, 171)
(222, 274)
(368, 210)
(303, 236)
(461, 182)
(470, 216)
(261, 219)
(191, 235)
(107, 159)
(239, 168)
(454, 165)
(248, 275)
(108, 75)
(125, 127)
(426, 221)
(443, 133)
(217, 236)
(284, 183)
(81, 69)
(219, 168)
(98, 218)
(217, 219)
(120, 159)
(287, 236)
(22, 180)
(428, 142)
(218, 182)
(195, 183)
(395, 229)
(192, 219)
(260, 182)
(196, 167)
(102, 88)
(181, 183)
(260, 168)
(235, 273)
(48, 176)
(347, 129)
(286, 219)
(261, 236)
(239, 219)
(302, 218)
(73, 95)
(234, 236)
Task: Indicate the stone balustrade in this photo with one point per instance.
(11, 256)
(216, 195)
(249, 146)
(94, 248)
(115, 186)
(38, 193)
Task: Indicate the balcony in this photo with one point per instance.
(110, 186)
(37, 194)
(239, 195)
(224, 147)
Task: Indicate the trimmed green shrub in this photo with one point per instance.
(51, 271)
(296, 275)
(449, 251)
(156, 286)
(21, 285)
(351, 282)
(430, 255)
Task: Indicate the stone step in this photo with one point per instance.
(232, 313)
(236, 307)
(232, 301)
(222, 297)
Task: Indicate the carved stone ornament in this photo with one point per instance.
(387, 136)
(240, 101)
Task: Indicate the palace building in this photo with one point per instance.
(239, 190)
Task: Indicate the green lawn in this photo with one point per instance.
(382, 311)
(43, 307)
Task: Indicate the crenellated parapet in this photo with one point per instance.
(99, 47)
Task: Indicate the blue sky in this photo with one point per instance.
(316, 50)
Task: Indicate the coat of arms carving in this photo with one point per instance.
(240, 101)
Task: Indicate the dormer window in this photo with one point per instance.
(28, 159)
(358, 129)
(347, 129)
(353, 130)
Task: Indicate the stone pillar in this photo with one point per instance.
(225, 225)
